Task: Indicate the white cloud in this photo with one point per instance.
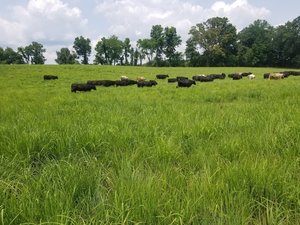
(123, 15)
(240, 13)
(47, 20)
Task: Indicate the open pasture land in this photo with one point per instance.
(222, 152)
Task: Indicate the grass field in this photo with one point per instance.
(223, 152)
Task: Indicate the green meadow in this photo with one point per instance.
(222, 152)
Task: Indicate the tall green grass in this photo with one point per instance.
(225, 152)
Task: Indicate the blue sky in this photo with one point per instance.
(56, 23)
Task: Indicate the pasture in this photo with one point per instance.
(222, 152)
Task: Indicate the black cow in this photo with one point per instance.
(246, 74)
(206, 79)
(237, 77)
(181, 78)
(218, 76)
(162, 76)
(50, 77)
(82, 87)
(172, 80)
(147, 83)
(125, 82)
(197, 78)
(105, 83)
(185, 83)
(203, 78)
(93, 82)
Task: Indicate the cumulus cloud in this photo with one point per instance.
(44, 21)
(240, 13)
(134, 18)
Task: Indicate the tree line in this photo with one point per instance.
(214, 42)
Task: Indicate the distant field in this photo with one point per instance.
(223, 152)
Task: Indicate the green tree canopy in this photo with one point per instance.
(108, 51)
(157, 42)
(64, 56)
(256, 42)
(33, 53)
(191, 53)
(9, 56)
(147, 49)
(216, 39)
(172, 41)
(127, 47)
(83, 48)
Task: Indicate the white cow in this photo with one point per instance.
(251, 76)
(276, 76)
(140, 79)
(123, 78)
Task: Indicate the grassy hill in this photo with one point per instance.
(223, 152)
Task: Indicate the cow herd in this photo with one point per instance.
(180, 80)
(280, 75)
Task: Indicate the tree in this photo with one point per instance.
(287, 43)
(131, 56)
(33, 53)
(191, 53)
(257, 37)
(147, 49)
(127, 47)
(2, 58)
(109, 51)
(136, 57)
(216, 39)
(9, 56)
(157, 42)
(172, 40)
(142, 54)
(64, 56)
(83, 48)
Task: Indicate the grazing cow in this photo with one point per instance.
(185, 83)
(251, 76)
(105, 83)
(162, 76)
(138, 79)
(237, 76)
(243, 74)
(50, 77)
(182, 78)
(286, 74)
(218, 76)
(93, 82)
(125, 82)
(123, 78)
(246, 74)
(206, 79)
(276, 76)
(196, 78)
(82, 87)
(146, 83)
(172, 80)
(295, 73)
(203, 78)
(109, 83)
